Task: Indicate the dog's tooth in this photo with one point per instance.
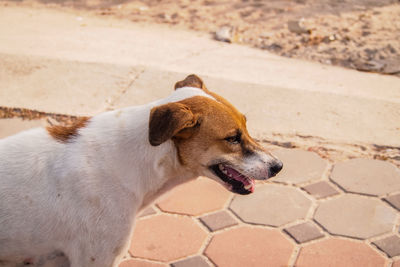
(224, 171)
(247, 187)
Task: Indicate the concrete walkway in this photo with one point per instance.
(71, 63)
(316, 212)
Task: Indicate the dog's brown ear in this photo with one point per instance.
(191, 81)
(166, 121)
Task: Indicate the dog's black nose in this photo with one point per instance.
(275, 168)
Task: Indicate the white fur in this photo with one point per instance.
(81, 197)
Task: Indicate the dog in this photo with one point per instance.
(73, 191)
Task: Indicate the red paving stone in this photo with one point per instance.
(335, 252)
(140, 263)
(162, 237)
(247, 246)
(195, 198)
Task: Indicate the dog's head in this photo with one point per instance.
(212, 139)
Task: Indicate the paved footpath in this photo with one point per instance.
(316, 212)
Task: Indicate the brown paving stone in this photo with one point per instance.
(367, 176)
(390, 245)
(321, 190)
(218, 220)
(271, 205)
(299, 166)
(355, 216)
(140, 263)
(335, 252)
(195, 198)
(304, 232)
(162, 237)
(394, 201)
(196, 261)
(247, 246)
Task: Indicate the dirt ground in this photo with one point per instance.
(358, 34)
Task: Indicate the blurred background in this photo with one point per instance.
(358, 34)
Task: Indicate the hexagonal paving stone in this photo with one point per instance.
(271, 205)
(196, 197)
(338, 252)
(140, 263)
(247, 246)
(367, 176)
(355, 216)
(162, 237)
(299, 166)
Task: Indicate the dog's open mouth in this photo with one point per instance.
(234, 180)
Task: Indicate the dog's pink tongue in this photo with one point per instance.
(239, 177)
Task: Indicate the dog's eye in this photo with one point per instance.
(236, 139)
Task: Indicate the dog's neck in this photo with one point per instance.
(120, 139)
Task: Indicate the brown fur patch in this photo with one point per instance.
(218, 120)
(167, 120)
(64, 133)
(190, 81)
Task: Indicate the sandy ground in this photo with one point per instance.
(358, 34)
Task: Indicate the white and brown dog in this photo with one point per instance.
(76, 190)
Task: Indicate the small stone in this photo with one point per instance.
(296, 27)
(273, 47)
(390, 245)
(224, 34)
(217, 221)
(369, 66)
(304, 232)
